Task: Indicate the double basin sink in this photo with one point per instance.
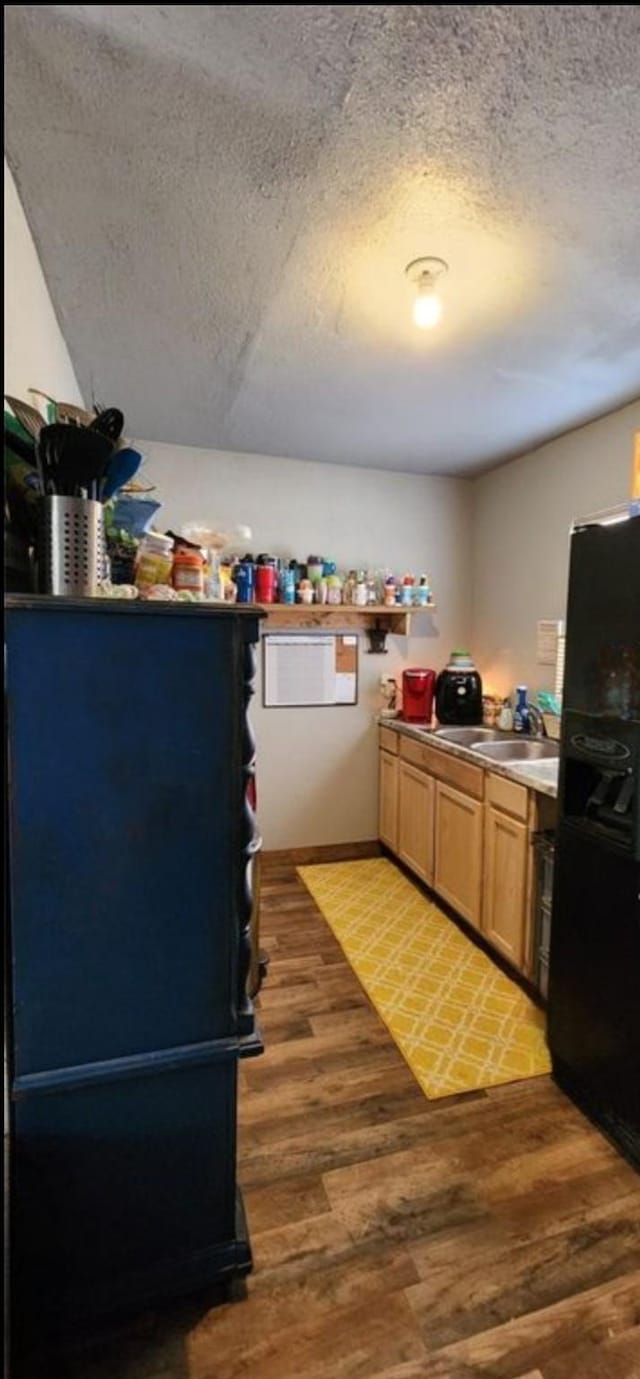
(498, 746)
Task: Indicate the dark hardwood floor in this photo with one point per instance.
(491, 1236)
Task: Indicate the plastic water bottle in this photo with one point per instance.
(521, 711)
(287, 586)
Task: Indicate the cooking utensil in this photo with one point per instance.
(122, 466)
(21, 447)
(84, 460)
(72, 459)
(26, 415)
(134, 486)
(49, 412)
(47, 458)
(15, 428)
(64, 411)
(74, 416)
(109, 423)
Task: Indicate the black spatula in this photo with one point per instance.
(73, 459)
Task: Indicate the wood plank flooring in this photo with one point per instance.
(491, 1236)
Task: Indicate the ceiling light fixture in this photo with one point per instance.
(424, 274)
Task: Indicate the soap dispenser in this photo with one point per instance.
(521, 711)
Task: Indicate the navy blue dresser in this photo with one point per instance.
(131, 844)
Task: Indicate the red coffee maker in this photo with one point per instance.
(417, 695)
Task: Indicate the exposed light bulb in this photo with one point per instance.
(427, 307)
(423, 274)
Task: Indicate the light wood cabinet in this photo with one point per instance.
(458, 851)
(506, 858)
(388, 800)
(416, 792)
(466, 832)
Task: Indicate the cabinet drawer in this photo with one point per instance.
(388, 740)
(418, 754)
(461, 774)
(507, 795)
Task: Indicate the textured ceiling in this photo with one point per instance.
(225, 197)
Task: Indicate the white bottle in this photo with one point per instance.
(505, 717)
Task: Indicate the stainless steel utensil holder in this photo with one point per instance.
(74, 547)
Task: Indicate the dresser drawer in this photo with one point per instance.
(508, 796)
(388, 740)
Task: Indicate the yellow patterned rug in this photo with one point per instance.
(458, 1021)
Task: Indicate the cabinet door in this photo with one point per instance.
(388, 800)
(458, 860)
(505, 888)
(416, 792)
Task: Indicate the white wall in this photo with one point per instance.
(522, 515)
(317, 778)
(35, 353)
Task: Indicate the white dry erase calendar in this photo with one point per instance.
(310, 670)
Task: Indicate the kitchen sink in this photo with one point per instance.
(467, 737)
(516, 750)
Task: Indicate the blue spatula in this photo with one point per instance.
(121, 468)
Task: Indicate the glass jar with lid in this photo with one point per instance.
(154, 560)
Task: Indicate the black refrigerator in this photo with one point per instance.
(594, 962)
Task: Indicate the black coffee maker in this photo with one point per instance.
(459, 691)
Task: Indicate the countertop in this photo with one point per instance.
(541, 776)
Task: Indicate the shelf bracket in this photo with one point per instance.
(377, 637)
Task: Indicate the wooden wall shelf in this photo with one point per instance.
(316, 615)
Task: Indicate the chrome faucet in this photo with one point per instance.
(536, 722)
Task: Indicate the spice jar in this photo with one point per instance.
(154, 560)
(188, 572)
(490, 708)
(224, 575)
(349, 586)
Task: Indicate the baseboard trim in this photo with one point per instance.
(330, 852)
